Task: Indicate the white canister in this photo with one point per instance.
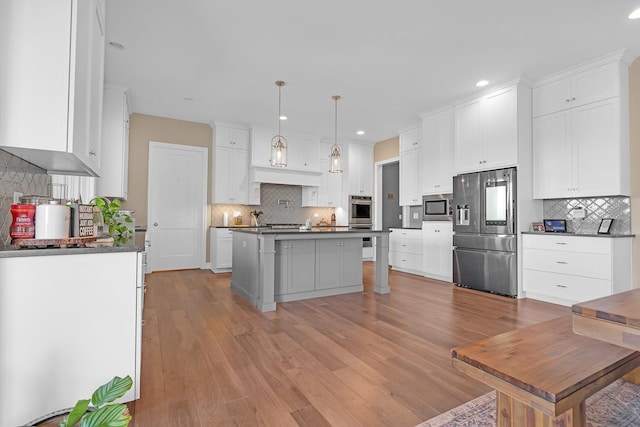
(52, 221)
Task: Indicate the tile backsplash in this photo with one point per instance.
(288, 211)
(618, 208)
(21, 176)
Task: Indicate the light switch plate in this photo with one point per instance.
(415, 215)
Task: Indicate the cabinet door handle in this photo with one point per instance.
(567, 100)
(573, 99)
(562, 286)
(92, 152)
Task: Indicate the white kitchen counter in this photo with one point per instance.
(67, 325)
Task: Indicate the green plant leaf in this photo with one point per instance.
(111, 391)
(76, 413)
(107, 416)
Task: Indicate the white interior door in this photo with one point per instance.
(177, 203)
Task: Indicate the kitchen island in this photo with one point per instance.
(275, 265)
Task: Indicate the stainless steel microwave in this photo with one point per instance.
(437, 207)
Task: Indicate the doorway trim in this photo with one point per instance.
(377, 214)
(377, 192)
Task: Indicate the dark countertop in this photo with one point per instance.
(10, 251)
(314, 230)
(611, 236)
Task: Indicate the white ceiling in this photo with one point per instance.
(390, 61)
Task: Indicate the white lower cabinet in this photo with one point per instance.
(405, 250)
(221, 245)
(67, 326)
(570, 269)
(437, 258)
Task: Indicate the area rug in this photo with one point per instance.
(617, 405)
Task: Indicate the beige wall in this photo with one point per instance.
(634, 139)
(144, 128)
(387, 149)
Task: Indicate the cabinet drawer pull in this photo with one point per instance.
(561, 262)
(560, 243)
(562, 286)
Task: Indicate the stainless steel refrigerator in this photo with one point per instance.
(484, 240)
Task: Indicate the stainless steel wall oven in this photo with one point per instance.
(360, 210)
(361, 215)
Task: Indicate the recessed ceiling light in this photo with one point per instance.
(116, 45)
(283, 117)
(635, 14)
(482, 83)
(360, 132)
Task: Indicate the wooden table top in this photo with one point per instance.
(614, 319)
(623, 308)
(547, 359)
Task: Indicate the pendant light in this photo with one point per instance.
(336, 153)
(279, 146)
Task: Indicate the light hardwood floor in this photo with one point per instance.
(210, 359)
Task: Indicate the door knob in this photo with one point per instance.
(155, 224)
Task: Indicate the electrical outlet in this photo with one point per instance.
(16, 196)
(316, 215)
(579, 212)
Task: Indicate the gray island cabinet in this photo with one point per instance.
(272, 266)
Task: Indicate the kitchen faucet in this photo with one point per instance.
(286, 203)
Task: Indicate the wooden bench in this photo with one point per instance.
(543, 373)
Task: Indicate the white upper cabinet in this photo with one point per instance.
(232, 137)
(329, 193)
(487, 131)
(113, 181)
(582, 150)
(596, 84)
(360, 170)
(436, 163)
(410, 178)
(411, 139)
(57, 80)
(303, 153)
(231, 165)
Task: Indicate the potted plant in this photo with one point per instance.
(114, 220)
(95, 412)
